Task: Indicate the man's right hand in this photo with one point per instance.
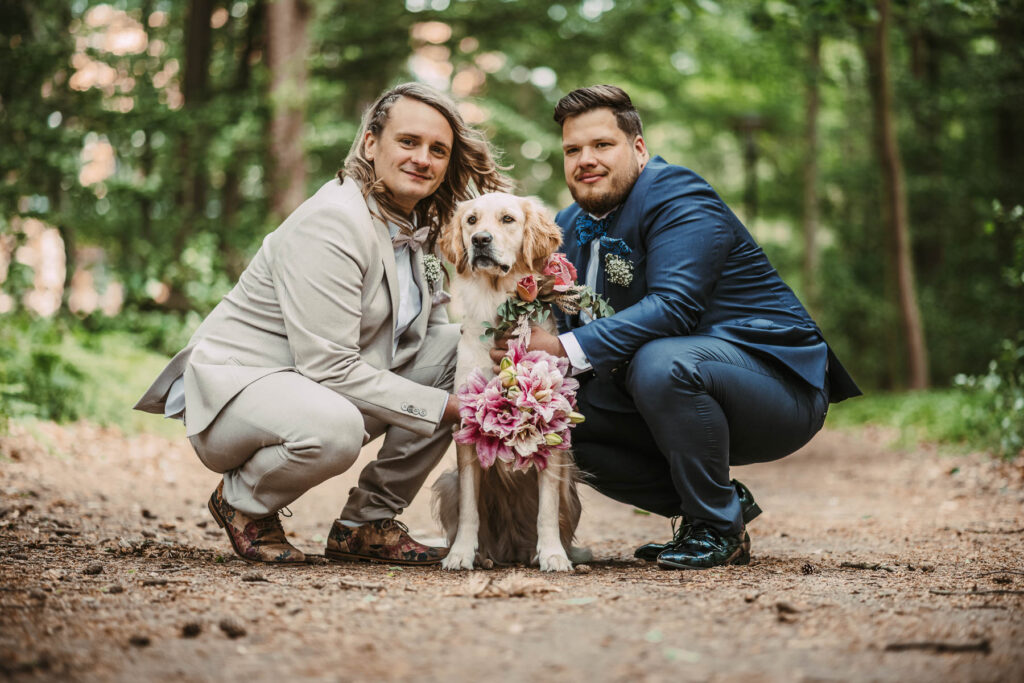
(451, 410)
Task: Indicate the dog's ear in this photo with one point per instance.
(451, 244)
(541, 236)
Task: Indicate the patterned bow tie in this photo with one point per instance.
(413, 240)
(588, 227)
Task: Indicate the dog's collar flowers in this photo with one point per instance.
(534, 297)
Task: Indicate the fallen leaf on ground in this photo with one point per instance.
(515, 585)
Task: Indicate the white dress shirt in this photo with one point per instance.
(577, 358)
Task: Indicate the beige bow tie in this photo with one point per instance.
(413, 240)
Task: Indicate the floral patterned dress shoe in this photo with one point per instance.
(254, 539)
(681, 525)
(382, 540)
(704, 548)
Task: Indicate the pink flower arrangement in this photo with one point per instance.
(522, 413)
(561, 269)
(526, 289)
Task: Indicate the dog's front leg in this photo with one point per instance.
(464, 547)
(550, 552)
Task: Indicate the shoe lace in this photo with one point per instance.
(389, 523)
(680, 528)
(270, 530)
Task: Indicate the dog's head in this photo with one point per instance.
(499, 233)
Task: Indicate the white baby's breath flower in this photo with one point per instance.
(432, 271)
(618, 270)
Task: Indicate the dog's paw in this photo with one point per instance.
(555, 562)
(458, 558)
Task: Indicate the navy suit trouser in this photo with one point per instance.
(699, 405)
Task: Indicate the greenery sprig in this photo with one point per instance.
(535, 296)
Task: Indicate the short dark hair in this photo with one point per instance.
(582, 100)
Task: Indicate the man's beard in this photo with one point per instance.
(601, 204)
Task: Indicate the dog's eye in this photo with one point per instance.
(471, 220)
(507, 219)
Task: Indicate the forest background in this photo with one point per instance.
(875, 150)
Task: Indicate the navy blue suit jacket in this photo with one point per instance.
(696, 271)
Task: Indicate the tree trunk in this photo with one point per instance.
(195, 86)
(812, 104)
(287, 48)
(1009, 127)
(894, 198)
(232, 257)
(195, 90)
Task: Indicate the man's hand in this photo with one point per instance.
(540, 340)
(451, 410)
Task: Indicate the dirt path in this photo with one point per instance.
(107, 557)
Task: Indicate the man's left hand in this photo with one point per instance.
(540, 340)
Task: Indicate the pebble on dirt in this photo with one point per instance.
(139, 640)
(93, 569)
(115, 588)
(232, 627)
(191, 629)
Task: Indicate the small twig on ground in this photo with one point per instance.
(170, 570)
(348, 582)
(938, 646)
(866, 565)
(991, 591)
(162, 582)
(1001, 571)
(994, 531)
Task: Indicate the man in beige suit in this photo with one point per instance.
(331, 339)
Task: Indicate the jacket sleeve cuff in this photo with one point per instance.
(577, 359)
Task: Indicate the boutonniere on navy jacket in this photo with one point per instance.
(332, 338)
(617, 266)
(709, 360)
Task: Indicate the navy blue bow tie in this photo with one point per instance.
(588, 228)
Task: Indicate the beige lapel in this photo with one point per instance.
(387, 253)
(413, 337)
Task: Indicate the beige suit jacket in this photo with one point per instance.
(320, 297)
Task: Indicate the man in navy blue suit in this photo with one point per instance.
(710, 359)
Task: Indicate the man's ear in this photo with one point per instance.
(369, 145)
(640, 147)
(541, 236)
(451, 244)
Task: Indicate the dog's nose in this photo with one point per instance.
(482, 239)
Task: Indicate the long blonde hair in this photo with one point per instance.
(472, 160)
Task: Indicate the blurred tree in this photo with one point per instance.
(875, 43)
(287, 50)
(164, 132)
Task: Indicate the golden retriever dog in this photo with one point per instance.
(498, 515)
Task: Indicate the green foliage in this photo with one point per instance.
(999, 393)
(162, 332)
(35, 379)
(997, 411)
(189, 200)
(65, 372)
(937, 416)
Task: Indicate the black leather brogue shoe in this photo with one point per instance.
(704, 548)
(680, 525)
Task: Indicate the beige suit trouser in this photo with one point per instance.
(284, 434)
